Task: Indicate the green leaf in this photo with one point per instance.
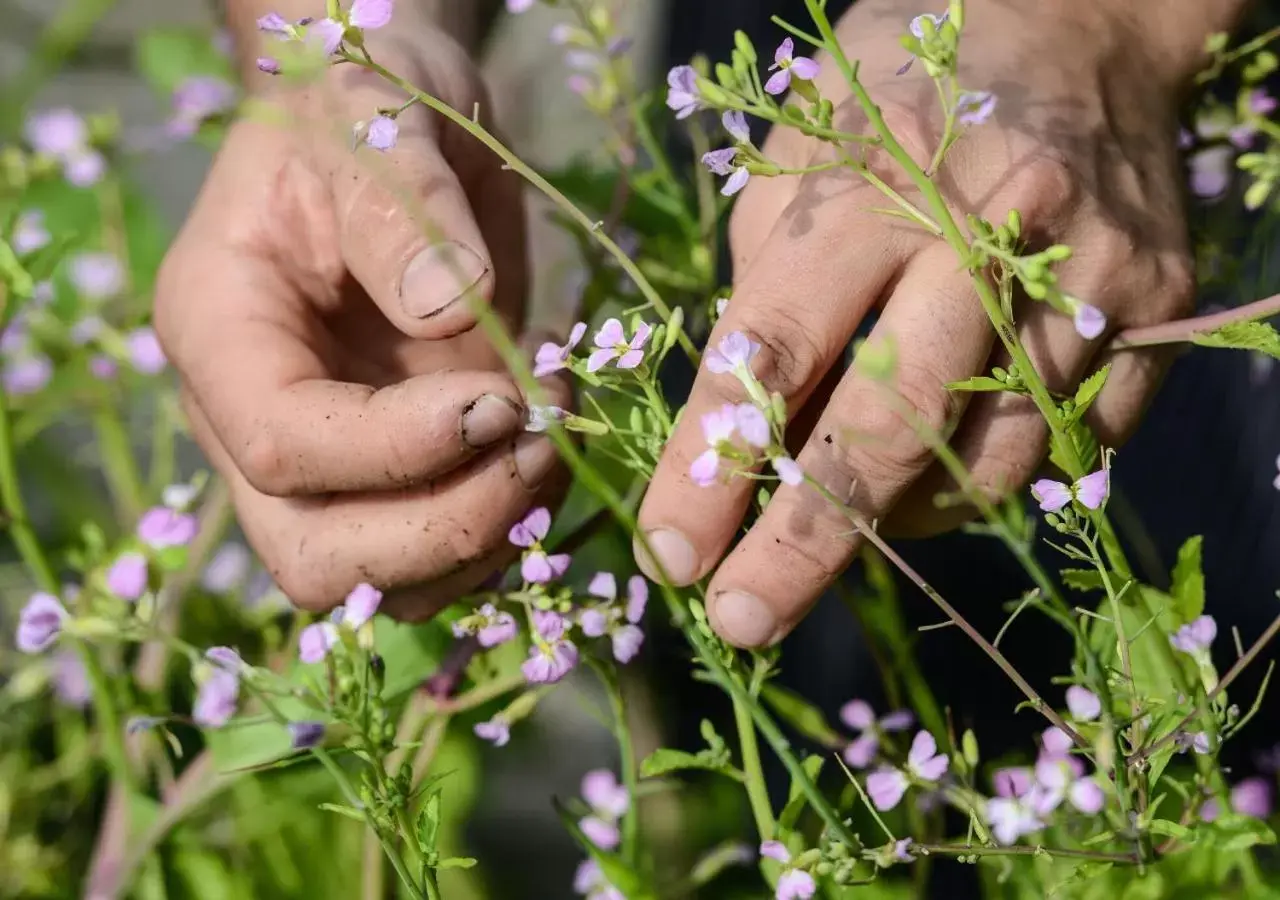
(166, 57)
(1088, 391)
(796, 800)
(1082, 579)
(1257, 336)
(456, 862)
(801, 715)
(978, 383)
(1188, 580)
(1170, 829)
(429, 825)
(663, 761)
(348, 811)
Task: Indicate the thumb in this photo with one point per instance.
(409, 235)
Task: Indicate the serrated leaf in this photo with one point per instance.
(1188, 580)
(1088, 391)
(801, 715)
(1257, 336)
(664, 761)
(1082, 579)
(978, 383)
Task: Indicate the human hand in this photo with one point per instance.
(1083, 144)
(317, 305)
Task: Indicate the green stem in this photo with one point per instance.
(752, 770)
(517, 165)
(630, 771)
(118, 464)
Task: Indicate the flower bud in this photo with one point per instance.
(745, 47)
(728, 76)
(969, 747)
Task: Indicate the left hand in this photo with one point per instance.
(1082, 144)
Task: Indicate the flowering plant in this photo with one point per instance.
(202, 685)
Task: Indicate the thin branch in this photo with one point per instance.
(1185, 329)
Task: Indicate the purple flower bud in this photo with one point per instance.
(86, 330)
(381, 133)
(58, 132)
(626, 642)
(496, 731)
(305, 735)
(1083, 703)
(683, 96)
(84, 169)
(127, 577)
(216, 699)
(96, 276)
(315, 641)
(1196, 637)
(1089, 321)
(40, 622)
(604, 835)
(1252, 797)
(789, 471)
(268, 65)
(370, 14)
(161, 527)
(735, 122)
(225, 658)
(515, 7)
(145, 353)
(102, 367)
(274, 23)
(360, 605)
(775, 850)
(27, 375)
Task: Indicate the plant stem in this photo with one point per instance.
(123, 479)
(752, 771)
(630, 773)
(1016, 850)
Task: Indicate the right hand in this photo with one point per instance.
(314, 307)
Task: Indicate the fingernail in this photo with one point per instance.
(489, 419)
(437, 277)
(742, 619)
(673, 554)
(535, 457)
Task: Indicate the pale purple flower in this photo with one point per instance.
(161, 527)
(625, 641)
(1011, 818)
(102, 367)
(916, 26)
(40, 622)
(316, 640)
(370, 14)
(861, 719)
(1196, 637)
(887, 785)
(718, 427)
(541, 418)
(197, 99)
(84, 168)
(498, 627)
(127, 577)
(216, 699)
(145, 354)
(537, 567)
(589, 880)
(1063, 777)
(1261, 103)
(70, 681)
(268, 65)
(1055, 742)
(1090, 491)
(789, 471)
(609, 802)
(381, 133)
(902, 850)
(86, 330)
(496, 731)
(554, 357)
(305, 735)
(548, 662)
(1013, 781)
(975, 107)
(735, 122)
(1211, 171)
(611, 341)
(1252, 797)
(227, 570)
(29, 233)
(682, 91)
(274, 23)
(775, 850)
(1083, 703)
(733, 353)
(26, 375)
(720, 162)
(360, 605)
(225, 658)
(795, 884)
(96, 276)
(1192, 740)
(59, 132)
(787, 64)
(516, 7)
(1089, 321)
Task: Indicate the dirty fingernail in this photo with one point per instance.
(489, 419)
(535, 458)
(673, 554)
(742, 619)
(437, 277)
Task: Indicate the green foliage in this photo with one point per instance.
(166, 57)
(1256, 336)
(1188, 580)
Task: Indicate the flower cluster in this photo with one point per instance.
(325, 35)
(1026, 797)
(317, 639)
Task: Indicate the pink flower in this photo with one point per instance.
(316, 640)
(1063, 777)
(721, 162)
(381, 133)
(197, 99)
(494, 627)
(127, 577)
(789, 471)
(96, 276)
(360, 605)
(787, 64)
(1011, 818)
(733, 353)
(549, 661)
(795, 884)
(225, 658)
(975, 107)
(370, 14)
(102, 367)
(719, 428)
(1252, 797)
(496, 731)
(161, 527)
(861, 718)
(1090, 491)
(620, 625)
(27, 375)
(29, 233)
(40, 622)
(682, 91)
(887, 785)
(268, 65)
(56, 132)
(609, 802)
(612, 342)
(590, 880)
(1196, 637)
(775, 850)
(554, 357)
(537, 567)
(1083, 703)
(1211, 171)
(1012, 781)
(145, 353)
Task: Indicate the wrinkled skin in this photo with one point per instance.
(1083, 144)
(339, 414)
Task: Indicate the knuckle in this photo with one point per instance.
(791, 352)
(1044, 184)
(263, 460)
(304, 583)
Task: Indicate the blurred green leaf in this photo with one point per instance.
(166, 57)
(801, 715)
(1188, 580)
